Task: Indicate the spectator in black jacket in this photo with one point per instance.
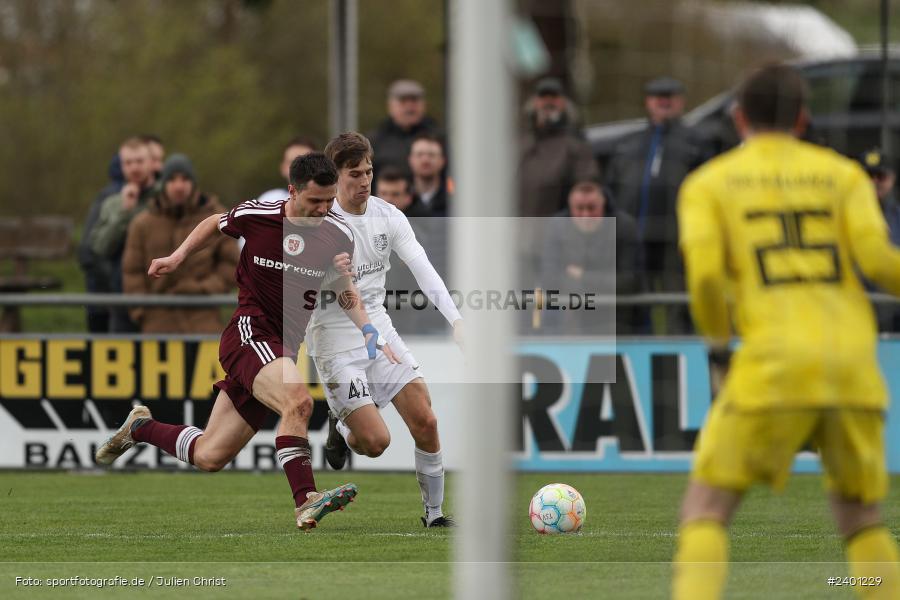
(96, 279)
(406, 119)
(427, 163)
(880, 169)
(394, 187)
(586, 255)
(157, 152)
(644, 174)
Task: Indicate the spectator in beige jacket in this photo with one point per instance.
(170, 216)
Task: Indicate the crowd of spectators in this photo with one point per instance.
(133, 175)
(148, 208)
(583, 230)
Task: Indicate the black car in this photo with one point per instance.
(845, 102)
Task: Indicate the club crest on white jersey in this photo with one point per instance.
(381, 231)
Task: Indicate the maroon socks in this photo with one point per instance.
(177, 440)
(294, 457)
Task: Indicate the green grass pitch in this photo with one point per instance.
(238, 526)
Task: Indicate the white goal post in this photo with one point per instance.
(482, 129)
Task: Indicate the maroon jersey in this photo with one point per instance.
(283, 265)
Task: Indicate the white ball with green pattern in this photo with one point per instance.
(557, 508)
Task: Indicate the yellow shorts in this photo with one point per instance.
(737, 449)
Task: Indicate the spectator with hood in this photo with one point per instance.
(96, 278)
(171, 215)
(107, 237)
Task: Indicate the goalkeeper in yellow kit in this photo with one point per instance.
(773, 233)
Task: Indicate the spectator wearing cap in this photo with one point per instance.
(172, 214)
(553, 154)
(406, 119)
(644, 175)
(883, 176)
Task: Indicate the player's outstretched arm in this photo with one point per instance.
(435, 289)
(411, 252)
(199, 237)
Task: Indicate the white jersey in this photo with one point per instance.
(275, 195)
(382, 229)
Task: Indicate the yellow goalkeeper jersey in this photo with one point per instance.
(773, 234)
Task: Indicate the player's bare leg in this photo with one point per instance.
(279, 386)
(705, 502)
(225, 436)
(366, 432)
(701, 561)
(362, 431)
(870, 547)
(211, 449)
(414, 405)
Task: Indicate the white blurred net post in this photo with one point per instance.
(483, 111)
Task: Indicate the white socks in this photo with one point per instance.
(184, 444)
(343, 430)
(430, 474)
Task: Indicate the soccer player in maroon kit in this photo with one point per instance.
(292, 246)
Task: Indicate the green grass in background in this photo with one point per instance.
(53, 319)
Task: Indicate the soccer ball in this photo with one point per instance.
(557, 508)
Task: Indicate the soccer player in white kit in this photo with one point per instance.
(356, 387)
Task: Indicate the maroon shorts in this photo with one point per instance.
(248, 344)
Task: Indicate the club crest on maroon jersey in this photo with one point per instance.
(293, 244)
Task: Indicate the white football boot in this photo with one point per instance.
(121, 441)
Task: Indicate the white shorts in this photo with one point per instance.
(353, 380)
